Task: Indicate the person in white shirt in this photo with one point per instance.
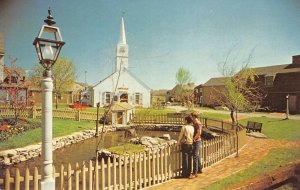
(186, 141)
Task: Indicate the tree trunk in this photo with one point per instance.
(56, 100)
(232, 116)
(236, 116)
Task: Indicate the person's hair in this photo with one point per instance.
(194, 115)
(188, 119)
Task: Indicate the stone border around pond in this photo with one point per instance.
(14, 156)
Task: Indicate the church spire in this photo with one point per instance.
(122, 49)
(122, 33)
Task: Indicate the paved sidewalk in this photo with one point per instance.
(254, 150)
(248, 114)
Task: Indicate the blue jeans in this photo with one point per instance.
(187, 150)
(196, 157)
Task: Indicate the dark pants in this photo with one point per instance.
(187, 150)
(196, 157)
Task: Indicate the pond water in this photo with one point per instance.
(84, 150)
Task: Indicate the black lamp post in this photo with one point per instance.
(48, 44)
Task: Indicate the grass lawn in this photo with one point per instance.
(278, 129)
(60, 128)
(217, 116)
(275, 129)
(127, 148)
(274, 160)
(150, 111)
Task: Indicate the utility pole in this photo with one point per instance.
(97, 120)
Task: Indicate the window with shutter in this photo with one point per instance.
(138, 98)
(107, 97)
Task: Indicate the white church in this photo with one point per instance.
(121, 85)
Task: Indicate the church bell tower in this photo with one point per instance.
(122, 49)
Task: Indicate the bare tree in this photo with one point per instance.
(17, 89)
(241, 91)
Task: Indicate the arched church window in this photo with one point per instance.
(124, 98)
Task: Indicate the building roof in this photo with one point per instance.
(161, 92)
(270, 70)
(199, 86)
(15, 70)
(121, 106)
(274, 69)
(125, 70)
(218, 81)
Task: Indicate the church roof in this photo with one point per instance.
(141, 82)
(127, 71)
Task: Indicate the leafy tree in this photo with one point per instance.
(241, 91)
(63, 75)
(183, 79)
(183, 76)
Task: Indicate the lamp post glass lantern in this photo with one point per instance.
(48, 44)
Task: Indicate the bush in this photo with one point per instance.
(16, 128)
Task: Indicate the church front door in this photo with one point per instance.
(124, 97)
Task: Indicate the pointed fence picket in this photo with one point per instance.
(135, 171)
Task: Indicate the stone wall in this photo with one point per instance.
(8, 157)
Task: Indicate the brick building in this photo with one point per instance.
(277, 81)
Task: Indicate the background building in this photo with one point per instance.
(276, 81)
(209, 90)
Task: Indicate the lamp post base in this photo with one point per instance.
(48, 184)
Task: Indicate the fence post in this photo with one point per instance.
(205, 122)
(78, 115)
(33, 112)
(7, 179)
(222, 127)
(237, 139)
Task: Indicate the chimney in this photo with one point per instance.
(296, 59)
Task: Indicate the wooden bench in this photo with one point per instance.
(253, 126)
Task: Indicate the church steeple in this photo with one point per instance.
(122, 49)
(122, 33)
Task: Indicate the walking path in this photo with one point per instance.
(254, 150)
(248, 114)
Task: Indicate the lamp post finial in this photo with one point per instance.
(50, 20)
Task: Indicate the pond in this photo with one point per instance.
(83, 151)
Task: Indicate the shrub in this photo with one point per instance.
(14, 128)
